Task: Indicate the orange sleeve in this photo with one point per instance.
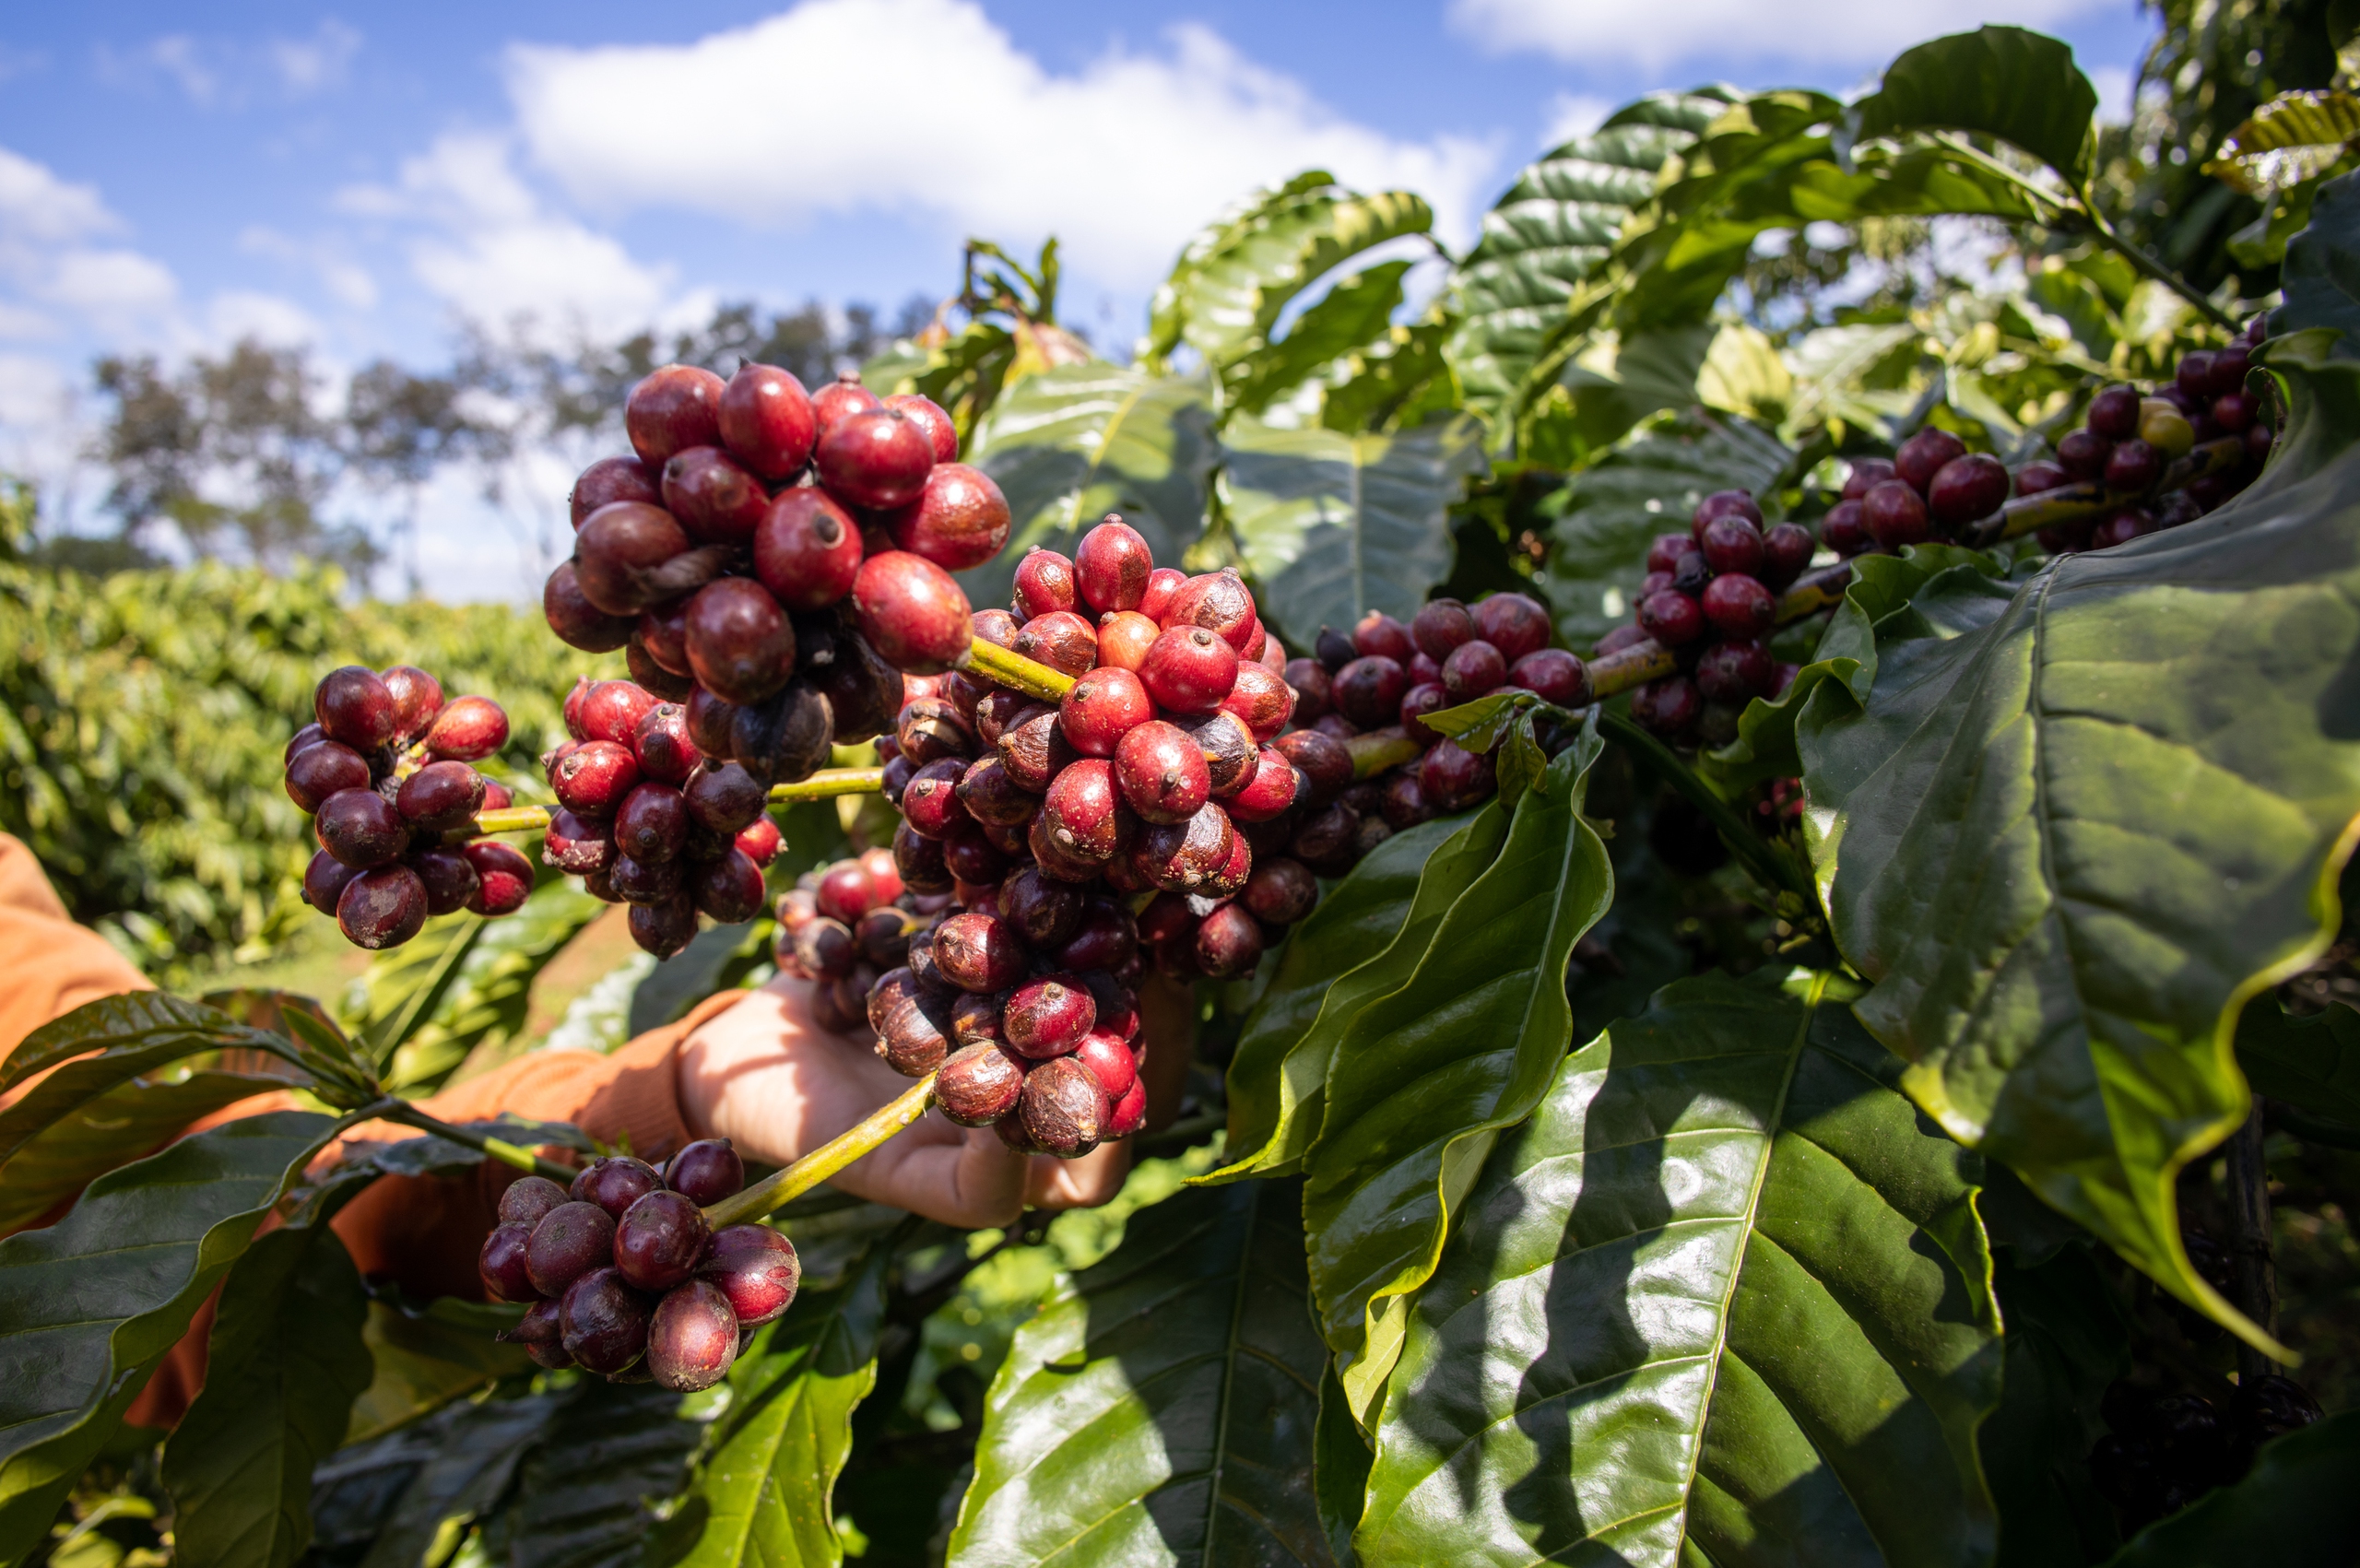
(48, 965)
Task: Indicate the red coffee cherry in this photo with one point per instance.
(1554, 676)
(659, 740)
(959, 520)
(767, 421)
(1059, 639)
(806, 550)
(1845, 529)
(992, 797)
(440, 796)
(1326, 766)
(612, 480)
(1453, 778)
(1129, 1113)
(930, 802)
(941, 432)
(1162, 773)
(1112, 565)
(1671, 617)
(1229, 942)
(659, 1239)
(417, 696)
(1103, 707)
(2114, 413)
(356, 708)
(324, 880)
(1669, 706)
(709, 494)
(1966, 488)
(1048, 1018)
(1189, 670)
(756, 1268)
(1106, 939)
(1734, 672)
(1368, 690)
(1516, 624)
(1786, 550)
(677, 406)
(911, 612)
(740, 643)
(504, 879)
(1163, 584)
(1280, 891)
(1109, 1060)
(1185, 857)
(724, 798)
(875, 458)
(692, 1339)
(1035, 748)
(1271, 791)
(568, 1242)
(979, 952)
(1083, 812)
(842, 397)
(1220, 602)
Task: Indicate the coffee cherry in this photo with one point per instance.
(2082, 453)
(930, 802)
(806, 550)
(617, 552)
(530, 1199)
(381, 908)
(302, 741)
(1185, 857)
(1048, 1017)
(1045, 583)
(606, 1321)
(959, 520)
(1272, 790)
(568, 1243)
(975, 857)
(1109, 1061)
(740, 643)
(1895, 515)
(840, 398)
(1060, 638)
(919, 861)
(1326, 766)
(579, 845)
(692, 1339)
(1083, 812)
(614, 1183)
(2034, 478)
(713, 497)
(1312, 688)
(756, 1268)
(448, 878)
(979, 952)
(1162, 773)
(991, 795)
(594, 777)
(706, 1171)
(677, 406)
(911, 611)
(931, 729)
(1516, 624)
(942, 432)
(1378, 635)
(1103, 708)
(659, 1240)
(355, 708)
(1453, 778)
(660, 745)
(1063, 1110)
(1229, 942)
(1554, 676)
(504, 879)
(1671, 617)
(1104, 938)
(1129, 1113)
(845, 892)
(1787, 550)
(1723, 503)
(1326, 840)
(1733, 672)
(912, 1023)
(2132, 468)
(875, 459)
(1110, 567)
(1219, 602)
(1668, 706)
(825, 948)
(2233, 412)
(1440, 626)
(883, 936)
(500, 1263)
(440, 796)
(417, 696)
(1845, 529)
(1428, 697)
(612, 479)
(467, 730)
(2194, 376)
(361, 828)
(1475, 667)
(724, 798)
(329, 768)
(1739, 607)
(324, 880)
(1368, 690)
(1404, 805)
(1732, 543)
(1865, 473)
(644, 883)
(767, 420)
(1923, 456)
(1280, 891)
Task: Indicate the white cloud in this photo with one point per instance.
(347, 281)
(1574, 114)
(308, 65)
(38, 206)
(1669, 32)
(494, 252)
(782, 122)
(240, 313)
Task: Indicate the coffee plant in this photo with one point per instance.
(1766, 920)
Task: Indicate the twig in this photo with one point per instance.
(830, 1157)
(507, 1153)
(1774, 865)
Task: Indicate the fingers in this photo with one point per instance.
(968, 1178)
(1052, 1183)
(1168, 1031)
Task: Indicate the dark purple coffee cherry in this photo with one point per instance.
(2114, 413)
(1739, 607)
(1732, 543)
(659, 1239)
(448, 877)
(2132, 468)
(327, 769)
(502, 1262)
(1923, 456)
(1894, 515)
(605, 1320)
(756, 1268)
(382, 908)
(1671, 617)
(571, 1240)
(361, 828)
(2082, 453)
(692, 1338)
(1229, 942)
(1966, 488)
(615, 1181)
(355, 707)
(530, 1199)
(706, 1171)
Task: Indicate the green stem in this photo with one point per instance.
(1773, 866)
(825, 1161)
(2105, 236)
(507, 1153)
(822, 785)
(1015, 671)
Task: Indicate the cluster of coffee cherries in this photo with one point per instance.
(384, 770)
(1387, 673)
(1931, 489)
(772, 560)
(2165, 1450)
(2128, 439)
(1711, 599)
(625, 1275)
(646, 817)
(843, 925)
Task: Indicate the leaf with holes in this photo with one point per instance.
(1425, 1075)
(1361, 939)
(1070, 445)
(1723, 1298)
(1333, 526)
(2067, 844)
(91, 1304)
(1160, 1407)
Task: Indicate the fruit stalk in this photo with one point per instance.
(794, 1180)
(497, 1149)
(2068, 504)
(1014, 670)
(822, 786)
(1381, 749)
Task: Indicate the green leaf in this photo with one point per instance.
(1072, 444)
(2313, 1064)
(2067, 1340)
(1724, 1298)
(282, 1368)
(1609, 514)
(1877, 602)
(1356, 312)
(2020, 87)
(1339, 1465)
(1480, 724)
(1361, 939)
(123, 1124)
(427, 1355)
(1226, 293)
(1426, 1073)
(760, 1493)
(2295, 137)
(1160, 1409)
(2296, 1509)
(91, 1304)
(2321, 277)
(1333, 526)
(2067, 844)
(391, 1496)
(1545, 236)
(592, 1499)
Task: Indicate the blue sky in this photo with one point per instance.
(363, 179)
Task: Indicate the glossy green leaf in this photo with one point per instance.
(1724, 1298)
(89, 1306)
(1879, 602)
(1160, 1409)
(2321, 277)
(1339, 1464)
(1429, 1070)
(2295, 137)
(2296, 1509)
(1608, 514)
(123, 1124)
(2067, 844)
(2066, 1340)
(1399, 382)
(425, 1355)
(1228, 288)
(761, 1492)
(390, 1497)
(1070, 445)
(2312, 1064)
(1361, 940)
(591, 1496)
(2018, 86)
(1357, 311)
(1556, 222)
(282, 1368)
(1334, 525)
